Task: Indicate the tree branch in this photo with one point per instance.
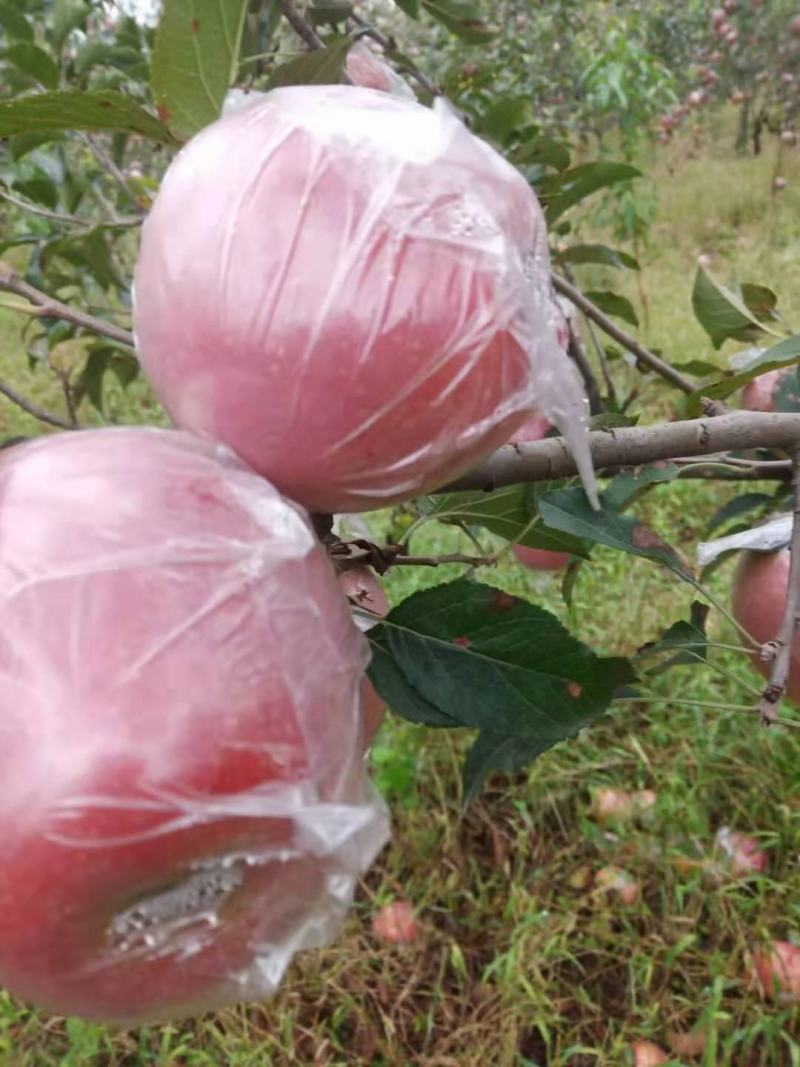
(43, 212)
(47, 307)
(577, 354)
(644, 355)
(111, 168)
(632, 447)
(781, 649)
(389, 46)
(301, 26)
(33, 409)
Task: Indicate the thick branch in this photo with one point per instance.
(779, 672)
(607, 325)
(48, 307)
(632, 447)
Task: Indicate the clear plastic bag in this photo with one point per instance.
(184, 803)
(353, 292)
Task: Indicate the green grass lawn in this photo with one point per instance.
(522, 960)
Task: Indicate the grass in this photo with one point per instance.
(522, 960)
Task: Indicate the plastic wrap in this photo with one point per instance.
(353, 292)
(183, 798)
(367, 69)
(768, 537)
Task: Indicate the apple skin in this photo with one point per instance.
(759, 393)
(351, 291)
(777, 968)
(759, 595)
(363, 587)
(648, 1054)
(537, 559)
(179, 724)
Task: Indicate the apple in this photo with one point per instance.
(619, 883)
(794, 26)
(364, 591)
(777, 968)
(352, 291)
(183, 802)
(537, 559)
(395, 924)
(367, 69)
(759, 596)
(759, 393)
(648, 1054)
(717, 17)
(779, 184)
(789, 137)
(744, 855)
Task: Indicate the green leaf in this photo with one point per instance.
(103, 358)
(786, 354)
(497, 752)
(323, 67)
(68, 15)
(607, 257)
(504, 115)
(466, 654)
(613, 304)
(760, 301)
(195, 60)
(543, 152)
(570, 511)
(410, 7)
(786, 396)
(724, 314)
(34, 62)
(562, 191)
(738, 506)
(625, 488)
(691, 632)
(54, 112)
(15, 24)
(698, 368)
(463, 18)
(510, 513)
(330, 11)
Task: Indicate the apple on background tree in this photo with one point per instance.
(537, 559)
(759, 595)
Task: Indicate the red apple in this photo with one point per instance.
(717, 17)
(744, 855)
(647, 1054)
(182, 794)
(759, 393)
(365, 591)
(777, 968)
(352, 291)
(395, 924)
(759, 596)
(537, 559)
(779, 184)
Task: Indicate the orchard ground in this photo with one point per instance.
(521, 960)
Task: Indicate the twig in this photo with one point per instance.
(633, 446)
(111, 168)
(301, 26)
(390, 49)
(577, 354)
(644, 355)
(43, 212)
(601, 354)
(33, 409)
(47, 307)
(438, 561)
(779, 672)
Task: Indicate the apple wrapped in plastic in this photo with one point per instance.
(183, 801)
(353, 292)
(759, 596)
(537, 559)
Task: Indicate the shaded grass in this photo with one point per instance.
(522, 961)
